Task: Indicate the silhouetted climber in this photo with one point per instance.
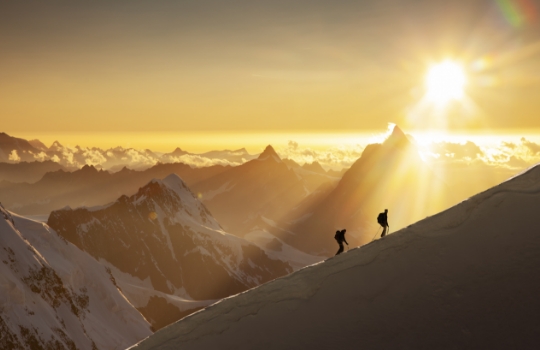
(382, 219)
(340, 238)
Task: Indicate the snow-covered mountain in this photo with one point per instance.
(466, 278)
(55, 296)
(167, 252)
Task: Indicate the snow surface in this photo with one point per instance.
(296, 258)
(139, 292)
(47, 308)
(194, 212)
(39, 218)
(464, 278)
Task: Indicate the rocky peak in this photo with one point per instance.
(56, 144)
(315, 167)
(178, 152)
(38, 144)
(89, 169)
(397, 139)
(269, 152)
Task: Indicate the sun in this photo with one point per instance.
(445, 81)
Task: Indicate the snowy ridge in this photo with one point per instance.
(140, 292)
(525, 183)
(55, 295)
(193, 211)
(463, 278)
(277, 249)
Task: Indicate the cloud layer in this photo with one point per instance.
(511, 156)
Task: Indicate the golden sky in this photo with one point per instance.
(282, 66)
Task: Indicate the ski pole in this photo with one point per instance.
(376, 233)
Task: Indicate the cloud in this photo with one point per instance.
(67, 156)
(509, 155)
(93, 157)
(293, 145)
(517, 163)
(533, 147)
(41, 156)
(468, 150)
(14, 157)
(197, 160)
(334, 157)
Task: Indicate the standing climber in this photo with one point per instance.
(382, 219)
(340, 238)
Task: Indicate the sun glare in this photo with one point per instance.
(445, 81)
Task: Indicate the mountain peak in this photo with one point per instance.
(178, 152)
(89, 169)
(269, 152)
(56, 144)
(38, 144)
(397, 138)
(315, 167)
(172, 182)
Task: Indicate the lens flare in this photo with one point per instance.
(518, 13)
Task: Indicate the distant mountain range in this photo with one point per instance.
(278, 186)
(55, 296)
(242, 197)
(89, 186)
(27, 171)
(168, 254)
(14, 150)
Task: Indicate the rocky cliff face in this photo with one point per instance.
(165, 248)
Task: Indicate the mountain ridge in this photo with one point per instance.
(163, 234)
(55, 296)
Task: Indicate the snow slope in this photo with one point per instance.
(466, 278)
(55, 296)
